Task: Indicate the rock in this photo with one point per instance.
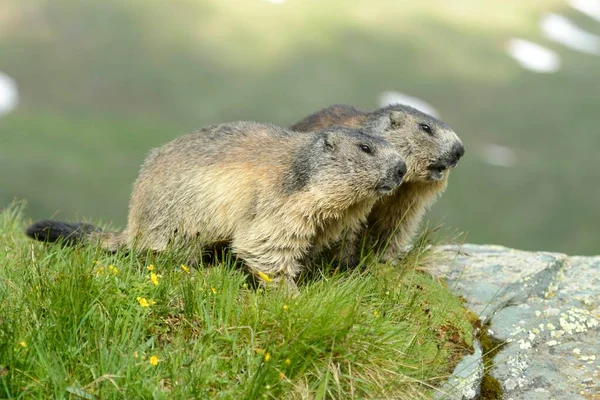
(545, 306)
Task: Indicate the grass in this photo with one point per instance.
(102, 82)
(73, 322)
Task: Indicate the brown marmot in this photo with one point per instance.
(429, 147)
(277, 197)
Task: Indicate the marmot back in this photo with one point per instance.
(430, 148)
(274, 195)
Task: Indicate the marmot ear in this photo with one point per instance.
(330, 141)
(397, 118)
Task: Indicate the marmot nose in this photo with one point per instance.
(458, 150)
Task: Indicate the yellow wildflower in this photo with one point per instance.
(288, 361)
(376, 313)
(135, 354)
(113, 270)
(153, 361)
(212, 289)
(185, 269)
(150, 267)
(145, 303)
(285, 307)
(267, 357)
(22, 344)
(265, 277)
(154, 278)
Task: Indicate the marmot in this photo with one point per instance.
(275, 196)
(429, 147)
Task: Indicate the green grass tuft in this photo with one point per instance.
(72, 323)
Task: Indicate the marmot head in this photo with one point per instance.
(356, 163)
(428, 145)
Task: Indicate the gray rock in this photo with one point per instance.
(545, 306)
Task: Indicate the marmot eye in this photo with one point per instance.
(366, 148)
(426, 128)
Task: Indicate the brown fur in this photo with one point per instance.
(277, 197)
(395, 219)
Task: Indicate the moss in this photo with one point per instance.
(490, 346)
(490, 388)
(473, 318)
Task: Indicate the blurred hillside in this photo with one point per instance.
(101, 82)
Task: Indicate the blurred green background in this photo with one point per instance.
(101, 82)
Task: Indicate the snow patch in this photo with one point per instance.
(532, 56)
(498, 155)
(9, 96)
(564, 31)
(591, 8)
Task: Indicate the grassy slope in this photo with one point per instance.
(69, 323)
(102, 82)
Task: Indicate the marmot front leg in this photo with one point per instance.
(347, 251)
(276, 256)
